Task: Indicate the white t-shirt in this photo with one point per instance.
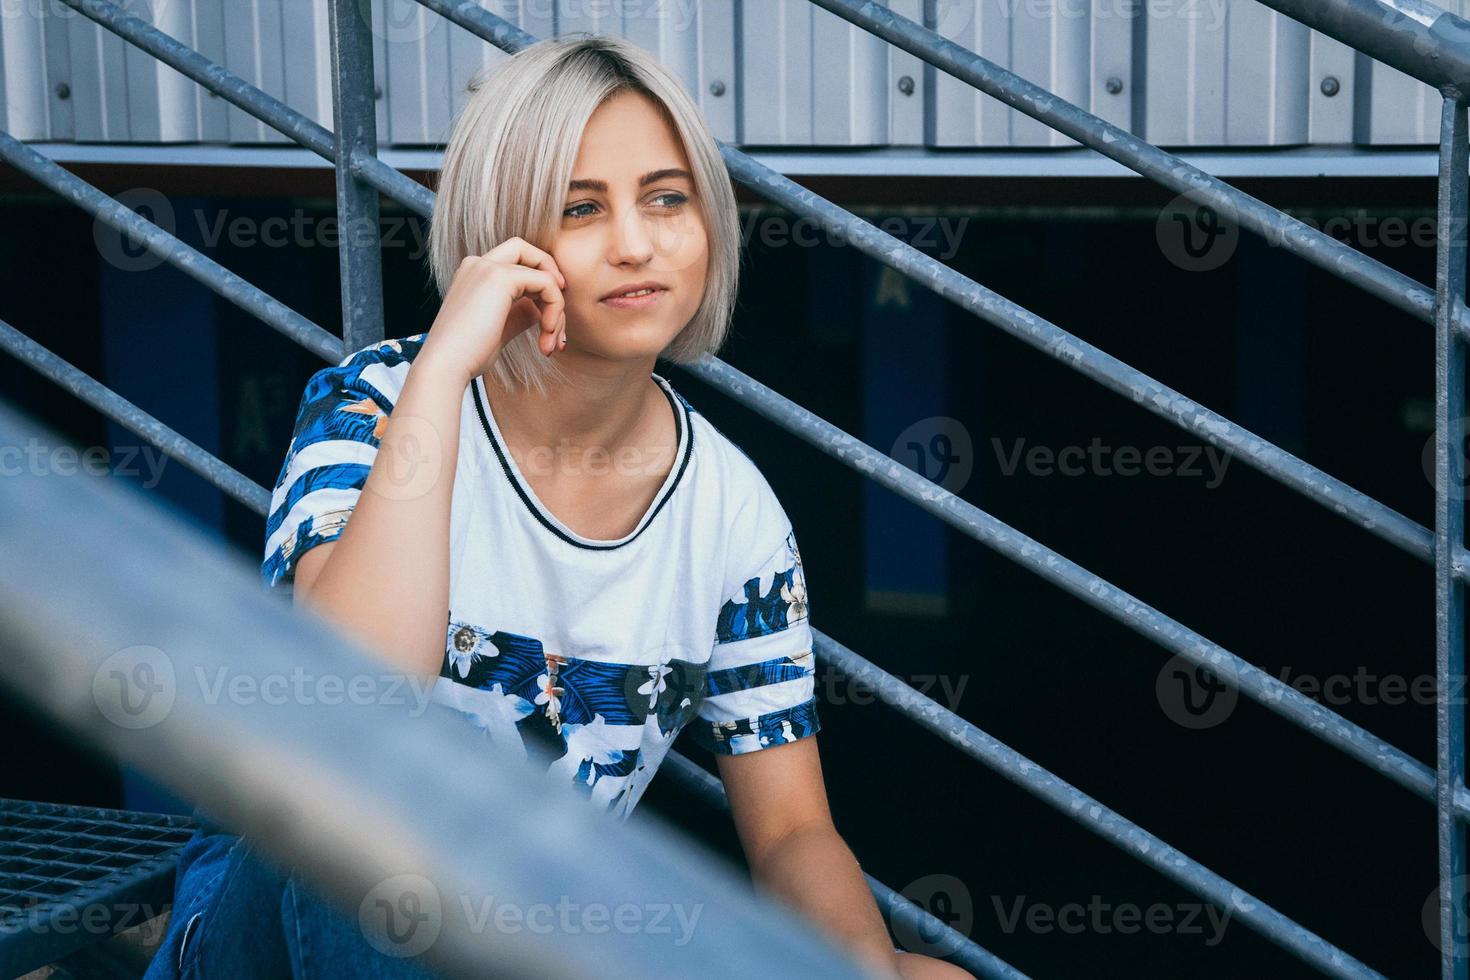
(599, 651)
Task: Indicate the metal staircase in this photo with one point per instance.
(1409, 35)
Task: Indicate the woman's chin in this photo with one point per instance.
(623, 340)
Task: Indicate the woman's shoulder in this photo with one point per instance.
(722, 460)
(390, 357)
(732, 482)
(377, 370)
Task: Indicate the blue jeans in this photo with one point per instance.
(236, 916)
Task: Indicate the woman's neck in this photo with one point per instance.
(606, 408)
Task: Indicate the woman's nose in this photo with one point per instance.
(633, 241)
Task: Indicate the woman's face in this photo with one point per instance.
(630, 215)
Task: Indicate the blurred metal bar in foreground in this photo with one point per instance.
(137, 633)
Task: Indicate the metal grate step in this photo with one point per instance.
(72, 876)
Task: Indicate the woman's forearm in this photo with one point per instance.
(814, 870)
(386, 578)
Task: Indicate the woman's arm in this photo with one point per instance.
(779, 803)
(385, 579)
(779, 806)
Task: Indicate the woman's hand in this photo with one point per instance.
(493, 298)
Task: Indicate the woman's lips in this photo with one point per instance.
(635, 302)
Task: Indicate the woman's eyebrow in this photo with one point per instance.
(653, 176)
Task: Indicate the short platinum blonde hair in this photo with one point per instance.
(509, 160)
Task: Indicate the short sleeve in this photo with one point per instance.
(760, 686)
(343, 413)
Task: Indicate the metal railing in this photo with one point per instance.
(1409, 35)
(364, 792)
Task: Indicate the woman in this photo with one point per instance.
(613, 568)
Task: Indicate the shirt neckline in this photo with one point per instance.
(539, 510)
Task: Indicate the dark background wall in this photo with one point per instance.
(1239, 325)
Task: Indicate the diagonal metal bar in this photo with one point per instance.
(1111, 826)
(507, 35)
(1142, 157)
(1417, 37)
(911, 702)
(1045, 336)
(1096, 364)
(1267, 690)
(1261, 687)
(1288, 469)
(1335, 961)
(240, 93)
(185, 258)
(125, 413)
(1303, 477)
(955, 946)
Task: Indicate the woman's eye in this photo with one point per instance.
(668, 201)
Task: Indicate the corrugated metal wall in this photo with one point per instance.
(768, 73)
